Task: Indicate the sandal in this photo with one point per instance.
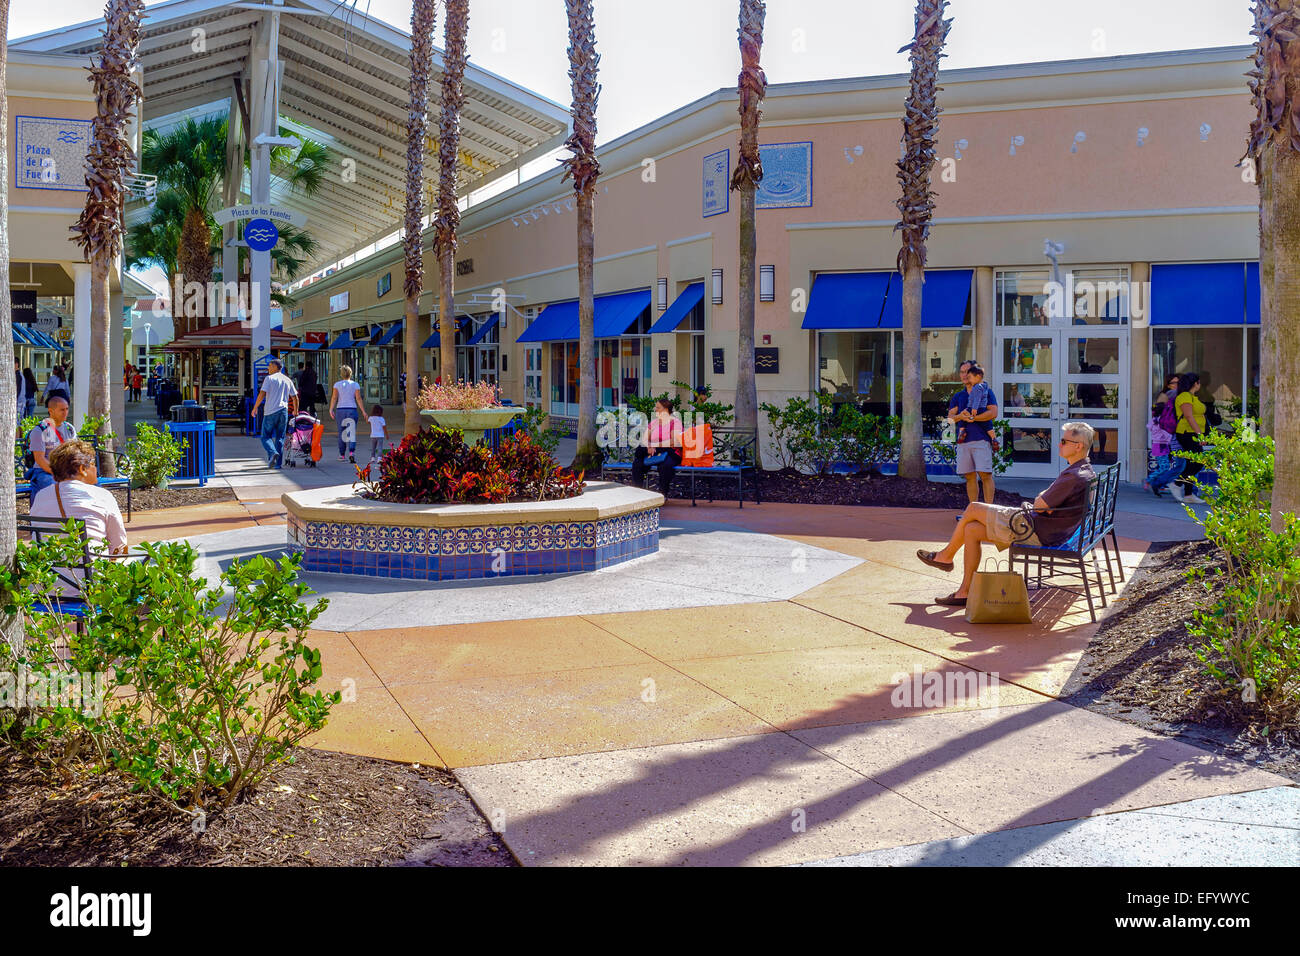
(951, 601)
(929, 558)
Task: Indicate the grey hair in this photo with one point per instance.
(1082, 431)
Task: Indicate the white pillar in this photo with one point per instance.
(81, 342)
(116, 357)
(264, 120)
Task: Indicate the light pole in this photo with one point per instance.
(147, 327)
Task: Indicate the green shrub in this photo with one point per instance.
(537, 424)
(803, 432)
(206, 690)
(703, 408)
(863, 439)
(1251, 632)
(155, 455)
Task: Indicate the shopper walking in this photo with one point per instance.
(346, 399)
(1191, 432)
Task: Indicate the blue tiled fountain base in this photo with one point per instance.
(448, 554)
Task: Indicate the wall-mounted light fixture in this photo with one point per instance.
(661, 293)
(717, 287)
(767, 283)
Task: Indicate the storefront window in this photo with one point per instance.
(1100, 296)
(1214, 354)
(859, 367)
(608, 380)
(1020, 298)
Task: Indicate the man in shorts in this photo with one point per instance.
(1049, 522)
(970, 410)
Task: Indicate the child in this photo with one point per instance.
(378, 432)
(1166, 467)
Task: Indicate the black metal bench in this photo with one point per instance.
(1097, 527)
(76, 574)
(733, 458)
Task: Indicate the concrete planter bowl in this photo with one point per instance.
(339, 532)
(471, 422)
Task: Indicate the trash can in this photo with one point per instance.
(189, 412)
(200, 457)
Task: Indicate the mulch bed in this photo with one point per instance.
(888, 491)
(1139, 668)
(325, 809)
(156, 499)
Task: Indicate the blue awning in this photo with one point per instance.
(305, 346)
(345, 341)
(614, 314)
(435, 340)
(846, 300)
(1199, 293)
(691, 296)
(18, 338)
(393, 332)
(944, 299)
(488, 326)
(1252, 293)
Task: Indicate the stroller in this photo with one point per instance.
(303, 441)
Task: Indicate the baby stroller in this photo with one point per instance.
(303, 441)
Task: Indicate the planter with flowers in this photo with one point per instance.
(471, 409)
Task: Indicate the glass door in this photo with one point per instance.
(1048, 376)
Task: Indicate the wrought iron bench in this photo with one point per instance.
(1097, 527)
(733, 457)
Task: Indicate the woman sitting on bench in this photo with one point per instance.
(74, 495)
(663, 441)
(1049, 521)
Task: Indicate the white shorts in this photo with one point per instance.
(975, 456)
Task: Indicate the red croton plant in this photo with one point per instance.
(434, 466)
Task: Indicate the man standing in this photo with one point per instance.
(277, 391)
(307, 387)
(970, 410)
(1049, 522)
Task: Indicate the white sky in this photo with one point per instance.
(660, 55)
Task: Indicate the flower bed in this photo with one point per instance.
(434, 466)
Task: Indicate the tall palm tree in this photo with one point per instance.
(920, 127)
(424, 15)
(454, 29)
(99, 229)
(10, 627)
(1275, 144)
(752, 85)
(584, 168)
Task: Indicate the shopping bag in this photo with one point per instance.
(316, 432)
(997, 597)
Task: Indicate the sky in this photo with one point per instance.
(660, 55)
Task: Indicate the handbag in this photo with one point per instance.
(997, 597)
(658, 459)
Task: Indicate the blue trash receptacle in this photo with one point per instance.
(200, 457)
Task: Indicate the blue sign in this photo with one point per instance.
(716, 182)
(787, 176)
(50, 153)
(261, 235)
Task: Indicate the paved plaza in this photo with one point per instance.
(734, 699)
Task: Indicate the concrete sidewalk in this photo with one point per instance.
(753, 694)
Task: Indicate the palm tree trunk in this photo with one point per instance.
(1282, 338)
(10, 627)
(916, 206)
(423, 17)
(455, 29)
(584, 168)
(99, 229)
(1257, 154)
(751, 87)
(195, 261)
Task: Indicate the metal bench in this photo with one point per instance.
(77, 574)
(733, 457)
(1097, 527)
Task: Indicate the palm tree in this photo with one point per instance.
(99, 229)
(10, 627)
(423, 20)
(584, 168)
(156, 241)
(752, 85)
(454, 28)
(190, 163)
(1275, 146)
(920, 126)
